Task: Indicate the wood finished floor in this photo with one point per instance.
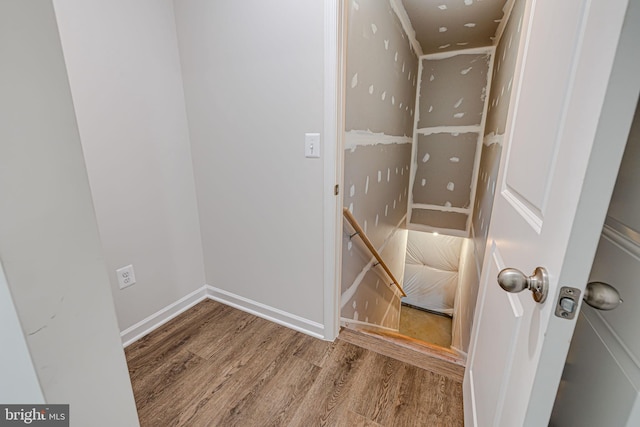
(218, 366)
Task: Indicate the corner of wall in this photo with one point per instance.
(465, 302)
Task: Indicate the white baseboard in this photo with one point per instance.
(275, 315)
(151, 323)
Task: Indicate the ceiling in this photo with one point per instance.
(445, 25)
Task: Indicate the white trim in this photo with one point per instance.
(357, 138)
(156, 320)
(153, 322)
(623, 356)
(345, 322)
(530, 213)
(334, 59)
(264, 311)
(402, 15)
(622, 236)
(452, 53)
(449, 129)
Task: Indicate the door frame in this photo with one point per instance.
(333, 160)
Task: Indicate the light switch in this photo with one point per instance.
(312, 145)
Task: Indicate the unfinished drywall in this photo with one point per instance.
(472, 256)
(371, 297)
(445, 169)
(465, 299)
(453, 90)
(502, 83)
(253, 82)
(49, 242)
(381, 71)
(448, 127)
(124, 71)
(431, 270)
(380, 97)
(447, 25)
(375, 191)
(376, 184)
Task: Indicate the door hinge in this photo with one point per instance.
(336, 190)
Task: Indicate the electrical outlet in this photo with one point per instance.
(126, 276)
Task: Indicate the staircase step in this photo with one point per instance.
(432, 358)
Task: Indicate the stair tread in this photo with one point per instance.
(433, 358)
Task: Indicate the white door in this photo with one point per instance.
(600, 383)
(564, 141)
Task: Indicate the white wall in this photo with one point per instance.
(124, 70)
(253, 74)
(49, 243)
(19, 379)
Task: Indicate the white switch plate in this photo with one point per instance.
(126, 276)
(312, 145)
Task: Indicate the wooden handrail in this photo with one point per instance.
(360, 232)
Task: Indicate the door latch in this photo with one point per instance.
(567, 305)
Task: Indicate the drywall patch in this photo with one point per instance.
(370, 167)
(357, 138)
(429, 16)
(449, 181)
(491, 139)
(378, 59)
(448, 80)
(503, 74)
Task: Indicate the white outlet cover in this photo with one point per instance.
(312, 145)
(126, 276)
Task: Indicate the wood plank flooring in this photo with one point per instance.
(218, 366)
